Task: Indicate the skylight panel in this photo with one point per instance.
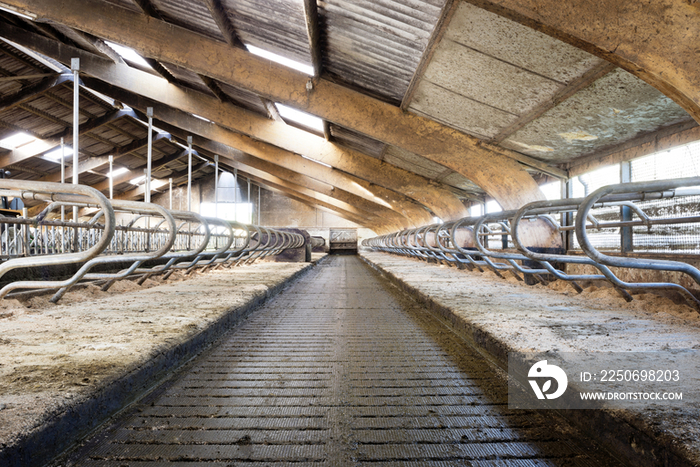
(302, 118)
(138, 180)
(128, 54)
(56, 154)
(17, 140)
(201, 118)
(117, 172)
(288, 62)
(21, 14)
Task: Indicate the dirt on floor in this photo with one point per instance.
(603, 294)
(51, 354)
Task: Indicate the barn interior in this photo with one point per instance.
(347, 232)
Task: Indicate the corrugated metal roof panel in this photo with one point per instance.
(413, 162)
(357, 141)
(15, 63)
(377, 45)
(245, 99)
(130, 127)
(191, 15)
(126, 4)
(63, 96)
(277, 26)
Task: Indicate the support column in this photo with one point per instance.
(235, 194)
(63, 175)
(216, 185)
(75, 68)
(567, 218)
(189, 173)
(149, 154)
(626, 239)
(170, 182)
(111, 177)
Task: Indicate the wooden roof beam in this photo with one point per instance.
(441, 201)
(254, 166)
(89, 43)
(313, 32)
(312, 205)
(227, 29)
(320, 204)
(220, 16)
(496, 170)
(148, 9)
(48, 144)
(222, 140)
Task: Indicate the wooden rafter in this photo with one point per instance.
(179, 123)
(496, 170)
(30, 92)
(148, 8)
(410, 184)
(439, 200)
(313, 32)
(220, 15)
(254, 166)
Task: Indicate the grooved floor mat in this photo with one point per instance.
(339, 369)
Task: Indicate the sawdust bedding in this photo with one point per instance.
(51, 354)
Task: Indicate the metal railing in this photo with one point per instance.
(500, 241)
(176, 240)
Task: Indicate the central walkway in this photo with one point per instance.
(339, 369)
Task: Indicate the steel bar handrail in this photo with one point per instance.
(213, 255)
(638, 263)
(191, 253)
(237, 250)
(143, 210)
(46, 191)
(434, 242)
(197, 242)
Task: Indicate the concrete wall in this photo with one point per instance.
(275, 209)
(278, 210)
(180, 197)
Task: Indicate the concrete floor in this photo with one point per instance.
(341, 368)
